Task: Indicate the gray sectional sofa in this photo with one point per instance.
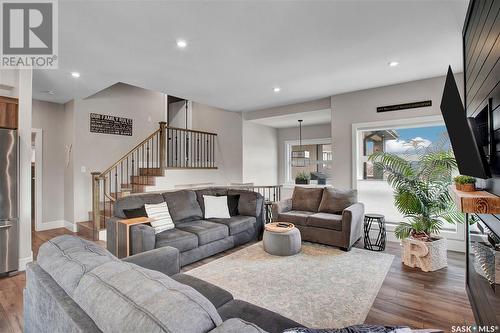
(323, 215)
(77, 286)
(195, 237)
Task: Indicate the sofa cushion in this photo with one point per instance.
(216, 207)
(183, 206)
(123, 297)
(237, 224)
(334, 201)
(306, 199)
(214, 294)
(268, 320)
(294, 216)
(135, 212)
(206, 231)
(233, 201)
(67, 258)
(250, 203)
(135, 201)
(236, 325)
(215, 191)
(181, 240)
(325, 220)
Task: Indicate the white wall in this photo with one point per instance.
(48, 117)
(96, 151)
(260, 154)
(292, 133)
(18, 84)
(228, 150)
(360, 107)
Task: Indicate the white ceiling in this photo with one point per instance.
(238, 51)
(291, 120)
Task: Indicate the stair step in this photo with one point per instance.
(86, 230)
(103, 217)
(143, 180)
(151, 172)
(118, 195)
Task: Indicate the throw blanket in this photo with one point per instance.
(361, 329)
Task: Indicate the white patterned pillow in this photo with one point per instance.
(161, 219)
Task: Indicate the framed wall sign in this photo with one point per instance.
(100, 123)
(397, 107)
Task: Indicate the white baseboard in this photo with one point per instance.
(24, 261)
(70, 226)
(102, 235)
(50, 225)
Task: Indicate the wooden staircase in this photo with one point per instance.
(137, 184)
(166, 148)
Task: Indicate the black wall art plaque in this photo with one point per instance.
(100, 123)
(404, 106)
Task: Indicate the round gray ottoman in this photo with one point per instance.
(281, 241)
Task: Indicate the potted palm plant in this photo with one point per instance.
(421, 195)
(302, 178)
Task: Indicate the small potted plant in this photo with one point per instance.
(465, 183)
(302, 178)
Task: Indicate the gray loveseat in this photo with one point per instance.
(323, 215)
(195, 237)
(77, 286)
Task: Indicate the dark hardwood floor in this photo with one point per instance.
(407, 297)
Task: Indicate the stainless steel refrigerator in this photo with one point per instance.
(9, 238)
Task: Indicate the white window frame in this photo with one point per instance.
(456, 239)
(288, 153)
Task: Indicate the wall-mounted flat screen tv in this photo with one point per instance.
(471, 158)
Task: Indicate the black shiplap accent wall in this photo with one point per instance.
(481, 42)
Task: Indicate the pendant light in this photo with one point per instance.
(300, 158)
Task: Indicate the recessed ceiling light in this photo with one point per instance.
(75, 74)
(393, 63)
(276, 89)
(181, 43)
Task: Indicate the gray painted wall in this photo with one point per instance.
(47, 116)
(260, 154)
(360, 107)
(68, 130)
(96, 151)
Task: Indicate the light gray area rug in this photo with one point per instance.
(321, 287)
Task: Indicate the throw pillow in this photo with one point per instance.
(334, 201)
(232, 203)
(216, 207)
(306, 199)
(135, 212)
(161, 219)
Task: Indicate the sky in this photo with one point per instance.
(410, 137)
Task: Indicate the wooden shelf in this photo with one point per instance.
(479, 202)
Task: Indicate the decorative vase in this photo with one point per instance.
(301, 181)
(428, 256)
(466, 187)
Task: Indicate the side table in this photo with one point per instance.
(269, 211)
(123, 234)
(379, 243)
